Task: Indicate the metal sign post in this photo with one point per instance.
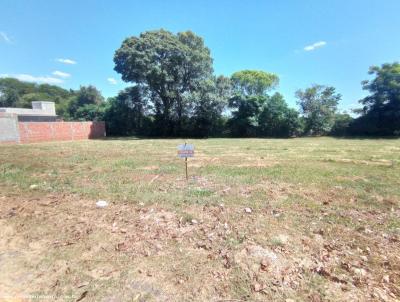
(186, 168)
(185, 151)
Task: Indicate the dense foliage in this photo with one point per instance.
(380, 114)
(254, 82)
(175, 93)
(172, 68)
(318, 104)
(276, 119)
(14, 93)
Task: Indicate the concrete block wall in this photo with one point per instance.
(46, 107)
(9, 130)
(38, 109)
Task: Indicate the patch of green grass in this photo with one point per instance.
(117, 169)
(240, 284)
(124, 163)
(14, 175)
(233, 241)
(393, 224)
(277, 242)
(199, 192)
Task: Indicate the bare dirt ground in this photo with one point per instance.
(224, 239)
(66, 247)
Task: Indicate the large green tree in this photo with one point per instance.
(384, 89)
(128, 113)
(208, 105)
(85, 104)
(380, 114)
(341, 124)
(250, 89)
(245, 111)
(171, 66)
(318, 104)
(277, 119)
(87, 95)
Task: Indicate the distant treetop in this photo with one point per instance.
(254, 82)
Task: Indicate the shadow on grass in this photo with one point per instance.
(127, 138)
(365, 137)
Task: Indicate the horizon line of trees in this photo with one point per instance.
(174, 93)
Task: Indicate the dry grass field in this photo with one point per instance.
(309, 219)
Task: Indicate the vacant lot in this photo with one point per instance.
(314, 219)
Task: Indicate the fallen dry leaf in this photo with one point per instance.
(82, 296)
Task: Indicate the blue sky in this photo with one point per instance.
(303, 41)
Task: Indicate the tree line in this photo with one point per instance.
(86, 103)
(175, 93)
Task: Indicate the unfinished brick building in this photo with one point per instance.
(39, 124)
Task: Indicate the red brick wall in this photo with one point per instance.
(31, 132)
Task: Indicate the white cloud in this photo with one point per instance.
(5, 37)
(66, 61)
(315, 46)
(112, 81)
(61, 74)
(31, 78)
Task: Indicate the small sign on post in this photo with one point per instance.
(185, 151)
